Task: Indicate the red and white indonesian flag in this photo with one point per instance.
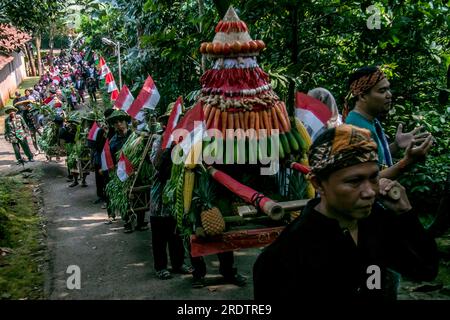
(93, 133)
(53, 101)
(124, 168)
(56, 80)
(104, 70)
(124, 99)
(111, 83)
(107, 160)
(148, 98)
(172, 122)
(114, 94)
(312, 112)
(193, 128)
(50, 101)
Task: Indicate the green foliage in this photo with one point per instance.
(36, 17)
(309, 44)
(297, 185)
(20, 273)
(425, 178)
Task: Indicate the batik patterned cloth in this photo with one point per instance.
(341, 147)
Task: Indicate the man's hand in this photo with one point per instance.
(403, 139)
(416, 153)
(399, 206)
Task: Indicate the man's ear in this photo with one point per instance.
(362, 97)
(317, 184)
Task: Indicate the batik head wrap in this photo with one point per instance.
(341, 147)
(362, 85)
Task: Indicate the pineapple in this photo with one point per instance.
(212, 220)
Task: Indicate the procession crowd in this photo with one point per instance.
(352, 223)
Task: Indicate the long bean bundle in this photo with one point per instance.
(118, 191)
(118, 199)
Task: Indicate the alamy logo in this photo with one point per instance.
(374, 280)
(235, 147)
(74, 280)
(374, 21)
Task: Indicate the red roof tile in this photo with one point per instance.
(4, 60)
(11, 38)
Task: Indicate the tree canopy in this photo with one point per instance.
(310, 43)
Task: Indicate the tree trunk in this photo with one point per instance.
(30, 58)
(38, 48)
(222, 6)
(444, 94)
(51, 40)
(201, 11)
(294, 57)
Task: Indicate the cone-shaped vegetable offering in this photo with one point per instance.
(236, 92)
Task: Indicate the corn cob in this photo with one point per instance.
(188, 188)
(303, 134)
(310, 192)
(179, 210)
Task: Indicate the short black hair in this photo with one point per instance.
(361, 72)
(108, 112)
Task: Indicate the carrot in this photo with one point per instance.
(281, 118)
(262, 124)
(267, 121)
(283, 106)
(252, 116)
(237, 123)
(246, 119)
(230, 123)
(242, 120)
(210, 118)
(224, 123)
(217, 118)
(256, 124)
(207, 110)
(276, 125)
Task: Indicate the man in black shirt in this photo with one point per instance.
(67, 135)
(28, 116)
(347, 243)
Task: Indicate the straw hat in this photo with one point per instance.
(156, 127)
(90, 116)
(74, 119)
(9, 109)
(118, 115)
(166, 115)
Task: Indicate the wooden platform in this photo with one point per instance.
(234, 240)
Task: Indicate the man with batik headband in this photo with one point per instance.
(346, 243)
(370, 91)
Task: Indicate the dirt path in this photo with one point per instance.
(115, 265)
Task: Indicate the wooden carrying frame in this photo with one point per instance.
(242, 239)
(140, 195)
(85, 165)
(56, 151)
(139, 199)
